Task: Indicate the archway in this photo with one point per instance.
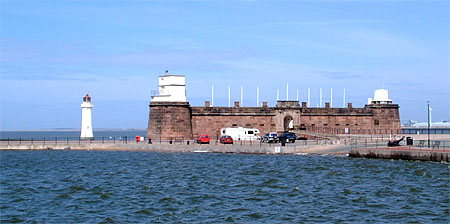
(288, 123)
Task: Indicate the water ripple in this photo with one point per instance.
(147, 187)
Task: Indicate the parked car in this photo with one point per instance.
(270, 137)
(226, 139)
(203, 139)
(288, 136)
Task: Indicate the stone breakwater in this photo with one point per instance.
(405, 153)
(330, 148)
(336, 149)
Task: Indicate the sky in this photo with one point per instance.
(53, 52)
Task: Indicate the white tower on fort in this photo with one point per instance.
(86, 118)
(172, 88)
(381, 96)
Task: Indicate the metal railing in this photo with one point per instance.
(64, 140)
(418, 145)
(161, 141)
(347, 130)
(355, 141)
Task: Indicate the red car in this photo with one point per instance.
(203, 139)
(226, 139)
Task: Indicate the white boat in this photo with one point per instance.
(201, 151)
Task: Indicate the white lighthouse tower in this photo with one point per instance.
(86, 118)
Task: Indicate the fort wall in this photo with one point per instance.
(386, 117)
(181, 121)
(209, 120)
(169, 120)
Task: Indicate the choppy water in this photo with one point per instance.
(137, 187)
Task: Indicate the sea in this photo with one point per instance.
(154, 187)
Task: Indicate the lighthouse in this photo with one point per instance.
(86, 118)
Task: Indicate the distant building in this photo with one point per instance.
(439, 124)
(414, 127)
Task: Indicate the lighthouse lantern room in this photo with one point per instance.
(86, 118)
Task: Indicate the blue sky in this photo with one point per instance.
(53, 52)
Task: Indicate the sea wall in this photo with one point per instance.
(405, 154)
(325, 147)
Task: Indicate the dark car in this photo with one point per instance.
(226, 139)
(288, 136)
(270, 137)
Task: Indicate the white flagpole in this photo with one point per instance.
(343, 104)
(309, 97)
(229, 96)
(242, 96)
(320, 102)
(257, 96)
(287, 91)
(331, 98)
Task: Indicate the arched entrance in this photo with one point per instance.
(288, 123)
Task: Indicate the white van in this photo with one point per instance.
(241, 133)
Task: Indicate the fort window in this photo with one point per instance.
(376, 122)
(234, 125)
(261, 125)
(302, 127)
(337, 124)
(273, 125)
(356, 124)
(347, 124)
(325, 124)
(313, 125)
(248, 125)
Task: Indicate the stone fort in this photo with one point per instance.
(172, 117)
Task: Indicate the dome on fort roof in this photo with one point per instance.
(381, 96)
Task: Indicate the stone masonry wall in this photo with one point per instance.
(372, 119)
(179, 120)
(209, 120)
(169, 121)
(387, 117)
